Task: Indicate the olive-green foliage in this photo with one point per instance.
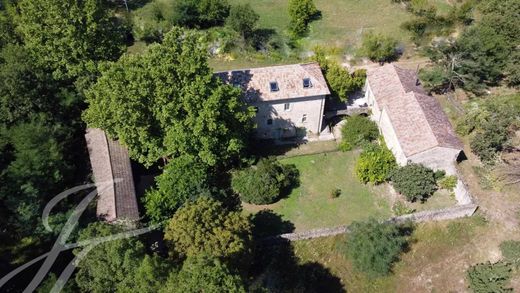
(243, 19)
(448, 182)
(200, 13)
(340, 81)
(184, 178)
(511, 251)
(357, 131)
(167, 103)
(152, 21)
(375, 164)
(399, 208)
(373, 247)
(119, 265)
(205, 226)
(488, 277)
(414, 181)
(301, 13)
(264, 182)
(69, 36)
(379, 48)
(202, 273)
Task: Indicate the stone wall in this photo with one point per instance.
(455, 212)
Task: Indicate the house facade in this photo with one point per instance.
(289, 100)
(412, 122)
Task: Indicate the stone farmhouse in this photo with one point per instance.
(412, 122)
(289, 100)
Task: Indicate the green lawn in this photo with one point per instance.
(433, 245)
(309, 206)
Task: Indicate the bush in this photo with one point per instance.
(511, 251)
(265, 182)
(200, 13)
(301, 12)
(373, 247)
(448, 182)
(414, 181)
(400, 208)
(379, 48)
(243, 20)
(335, 193)
(357, 131)
(488, 277)
(375, 164)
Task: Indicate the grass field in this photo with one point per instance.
(310, 206)
(431, 244)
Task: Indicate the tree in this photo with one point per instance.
(203, 273)
(379, 48)
(243, 20)
(166, 102)
(374, 247)
(200, 13)
(118, 265)
(414, 181)
(264, 183)
(301, 13)
(488, 277)
(204, 226)
(375, 164)
(69, 36)
(357, 131)
(184, 178)
(33, 170)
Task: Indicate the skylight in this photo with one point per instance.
(307, 83)
(274, 86)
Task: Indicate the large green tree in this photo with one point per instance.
(205, 226)
(206, 274)
(184, 178)
(166, 102)
(69, 36)
(301, 13)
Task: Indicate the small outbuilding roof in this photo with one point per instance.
(111, 164)
(417, 118)
(278, 82)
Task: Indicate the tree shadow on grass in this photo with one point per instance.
(278, 269)
(267, 223)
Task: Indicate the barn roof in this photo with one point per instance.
(417, 118)
(255, 82)
(111, 163)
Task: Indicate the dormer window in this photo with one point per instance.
(273, 85)
(307, 83)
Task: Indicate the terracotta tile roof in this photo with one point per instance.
(255, 81)
(417, 118)
(110, 162)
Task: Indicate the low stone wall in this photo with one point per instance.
(462, 192)
(455, 212)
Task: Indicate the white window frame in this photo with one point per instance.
(287, 107)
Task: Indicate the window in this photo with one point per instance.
(274, 86)
(287, 106)
(307, 83)
(304, 118)
(269, 121)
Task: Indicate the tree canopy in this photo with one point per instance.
(356, 131)
(375, 164)
(166, 102)
(301, 13)
(414, 181)
(205, 226)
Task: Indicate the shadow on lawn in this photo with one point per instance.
(277, 269)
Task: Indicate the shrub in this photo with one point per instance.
(375, 164)
(335, 193)
(448, 182)
(200, 13)
(357, 131)
(488, 277)
(265, 182)
(379, 48)
(400, 208)
(414, 181)
(511, 251)
(243, 20)
(301, 12)
(373, 247)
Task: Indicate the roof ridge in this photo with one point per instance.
(111, 171)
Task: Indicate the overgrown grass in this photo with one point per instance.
(311, 206)
(431, 243)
